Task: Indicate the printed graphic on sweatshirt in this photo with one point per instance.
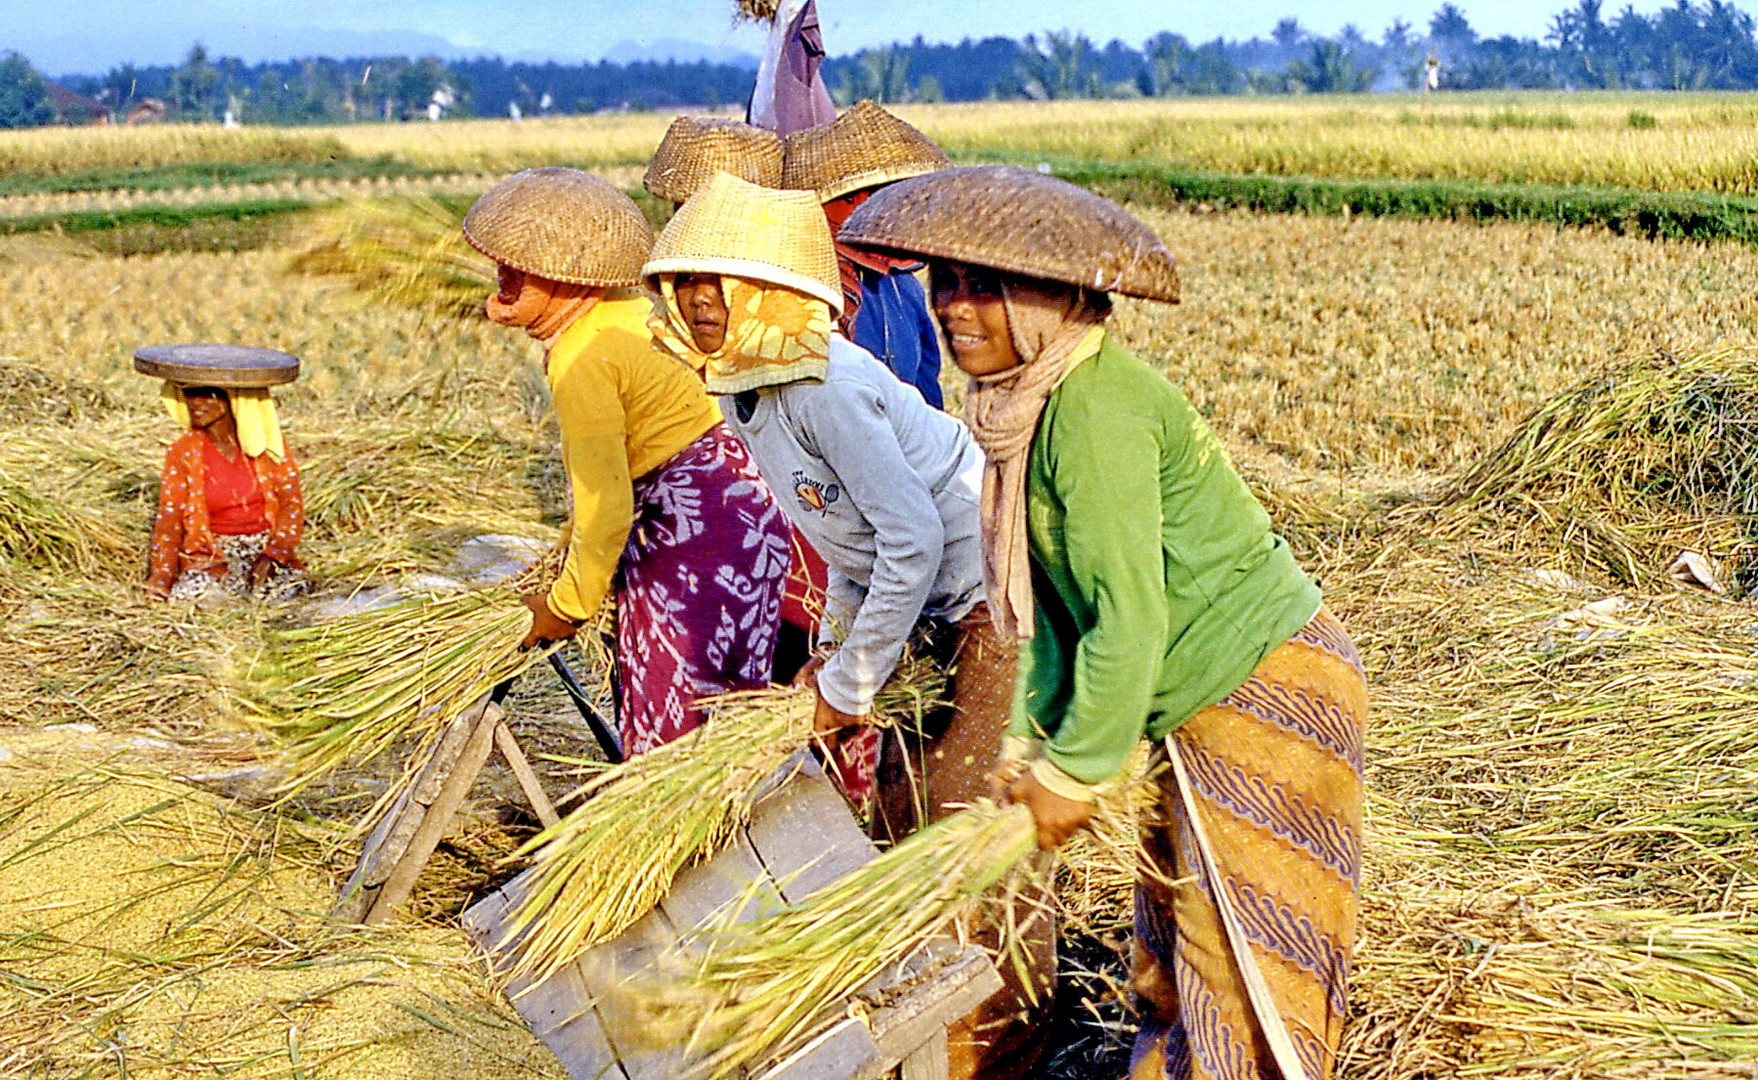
(815, 495)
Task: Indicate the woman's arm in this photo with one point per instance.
(844, 421)
(289, 520)
(164, 560)
(1105, 462)
(594, 425)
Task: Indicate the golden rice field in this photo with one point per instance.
(1562, 866)
(1697, 142)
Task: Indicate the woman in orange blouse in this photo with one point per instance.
(230, 510)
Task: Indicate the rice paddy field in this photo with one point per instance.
(1489, 441)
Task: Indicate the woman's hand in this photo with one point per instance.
(1002, 778)
(546, 625)
(1058, 818)
(827, 717)
(260, 571)
(808, 673)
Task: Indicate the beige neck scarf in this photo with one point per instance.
(1051, 326)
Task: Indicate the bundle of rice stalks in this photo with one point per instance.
(764, 985)
(642, 822)
(408, 251)
(350, 689)
(1627, 463)
(58, 535)
(757, 10)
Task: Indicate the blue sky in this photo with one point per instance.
(104, 33)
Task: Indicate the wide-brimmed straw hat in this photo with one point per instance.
(561, 224)
(697, 147)
(1019, 221)
(861, 148)
(738, 228)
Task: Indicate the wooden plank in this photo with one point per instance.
(389, 840)
(845, 1052)
(605, 969)
(733, 879)
(806, 836)
(929, 1061)
(912, 1018)
(438, 819)
(527, 777)
(560, 1010)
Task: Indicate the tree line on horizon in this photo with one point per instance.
(1711, 45)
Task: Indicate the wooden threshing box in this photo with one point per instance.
(801, 838)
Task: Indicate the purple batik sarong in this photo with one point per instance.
(698, 590)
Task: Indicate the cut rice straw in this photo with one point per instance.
(348, 690)
(762, 986)
(642, 822)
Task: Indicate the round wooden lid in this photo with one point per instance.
(237, 366)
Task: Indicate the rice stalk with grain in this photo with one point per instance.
(350, 689)
(642, 822)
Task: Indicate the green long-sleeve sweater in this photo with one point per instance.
(1159, 584)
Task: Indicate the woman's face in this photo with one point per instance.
(207, 406)
(703, 308)
(968, 302)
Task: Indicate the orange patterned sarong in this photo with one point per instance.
(1275, 769)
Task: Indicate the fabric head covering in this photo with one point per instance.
(774, 335)
(1054, 327)
(253, 411)
(543, 308)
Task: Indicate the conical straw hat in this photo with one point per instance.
(561, 224)
(1020, 221)
(733, 227)
(696, 147)
(859, 149)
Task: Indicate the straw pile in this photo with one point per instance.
(148, 930)
(611, 860)
(1628, 468)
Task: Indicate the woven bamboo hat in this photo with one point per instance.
(561, 224)
(859, 149)
(765, 234)
(236, 367)
(1019, 221)
(696, 147)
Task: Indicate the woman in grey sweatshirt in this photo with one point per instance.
(886, 488)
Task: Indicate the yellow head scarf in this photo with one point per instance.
(774, 335)
(253, 410)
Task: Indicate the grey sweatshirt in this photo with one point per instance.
(886, 488)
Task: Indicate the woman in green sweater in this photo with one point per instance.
(1157, 603)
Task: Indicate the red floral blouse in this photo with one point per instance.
(183, 539)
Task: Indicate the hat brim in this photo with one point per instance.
(745, 268)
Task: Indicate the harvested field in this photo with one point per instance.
(1561, 856)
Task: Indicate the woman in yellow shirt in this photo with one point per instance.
(667, 507)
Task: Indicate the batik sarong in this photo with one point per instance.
(698, 590)
(240, 552)
(1275, 769)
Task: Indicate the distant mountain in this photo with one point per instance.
(148, 45)
(684, 52)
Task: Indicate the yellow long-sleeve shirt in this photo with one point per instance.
(624, 409)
